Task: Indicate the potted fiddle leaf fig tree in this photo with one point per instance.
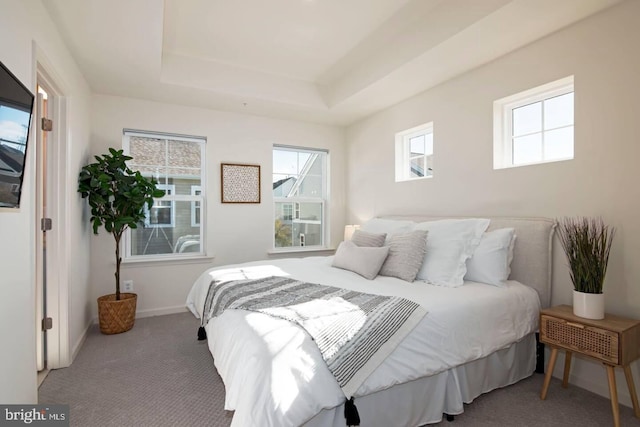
(117, 198)
(587, 243)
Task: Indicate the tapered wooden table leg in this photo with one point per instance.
(613, 392)
(547, 375)
(632, 390)
(567, 369)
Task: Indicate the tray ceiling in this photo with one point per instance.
(326, 61)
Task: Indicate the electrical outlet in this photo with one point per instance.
(127, 286)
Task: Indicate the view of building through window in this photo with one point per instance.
(414, 153)
(420, 154)
(172, 225)
(299, 193)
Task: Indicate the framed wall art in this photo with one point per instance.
(240, 183)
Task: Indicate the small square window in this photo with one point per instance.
(414, 153)
(534, 126)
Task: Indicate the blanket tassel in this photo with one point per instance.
(351, 413)
(202, 335)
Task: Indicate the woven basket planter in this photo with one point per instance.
(114, 316)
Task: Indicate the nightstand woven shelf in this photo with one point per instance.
(614, 341)
(595, 342)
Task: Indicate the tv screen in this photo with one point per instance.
(16, 105)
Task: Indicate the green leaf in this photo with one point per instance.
(116, 194)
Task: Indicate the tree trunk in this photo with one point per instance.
(118, 261)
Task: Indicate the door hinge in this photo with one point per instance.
(47, 323)
(47, 125)
(46, 224)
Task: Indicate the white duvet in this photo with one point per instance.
(274, 374)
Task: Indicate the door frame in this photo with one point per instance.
(57, 298)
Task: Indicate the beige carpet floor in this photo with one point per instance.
(158, 374)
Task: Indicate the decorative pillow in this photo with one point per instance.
(491, 261)
(364, 238)
(389, 226)
(364, 261)
(451, 242)
(406, 253)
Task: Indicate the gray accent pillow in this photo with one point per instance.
(364, 238)
(365, 261)
(406, 254)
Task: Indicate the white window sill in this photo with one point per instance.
(298, 250)
(418, 178)
(171, 260)
(544, 162)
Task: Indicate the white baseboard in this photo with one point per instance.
(140, 314)
(78, 345)
(161, 311)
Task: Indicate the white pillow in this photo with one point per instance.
(491, 261)
(388, 226)
(366, 261)
(450, 243)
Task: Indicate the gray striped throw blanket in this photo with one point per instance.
(354, 331)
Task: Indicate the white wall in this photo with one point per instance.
(602, 180)
(23, 22)
(78, 243)
(234, 233)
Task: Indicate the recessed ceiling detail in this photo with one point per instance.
(327, 61)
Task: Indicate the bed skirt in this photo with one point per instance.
(425, 400)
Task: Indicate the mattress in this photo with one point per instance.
(275, 376)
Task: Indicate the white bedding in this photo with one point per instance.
(274, 374)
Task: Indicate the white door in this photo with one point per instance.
(42, 191)
(51, 181)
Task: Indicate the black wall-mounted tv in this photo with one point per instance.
(16, 106)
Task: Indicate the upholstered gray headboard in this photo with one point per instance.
(532, 256)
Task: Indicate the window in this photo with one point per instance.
(287, 211)
(196, 190)
(162, 213)
(299, 197)
(173, 226)
(534, 126)
(414, 153)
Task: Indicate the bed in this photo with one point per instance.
(474, 338)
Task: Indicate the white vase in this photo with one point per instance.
(589, 306)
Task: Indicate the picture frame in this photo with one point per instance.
(240, 183)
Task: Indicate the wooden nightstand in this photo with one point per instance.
(614, 341)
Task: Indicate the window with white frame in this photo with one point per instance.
(196, 190)
(534, 126)
(173, 226)
(414, 153)
(162, 213)
(300, 181)
(287, 211)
